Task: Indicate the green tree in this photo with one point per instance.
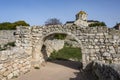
(53, 21)
(97, 24)
(5, 25)
(21, 23)
(12, 26)
(117, 26)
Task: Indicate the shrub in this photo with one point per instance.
(97, 24)
(12, 26)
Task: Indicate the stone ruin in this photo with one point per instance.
(97, 44)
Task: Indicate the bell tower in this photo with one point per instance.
(81, 15)
(81, 19)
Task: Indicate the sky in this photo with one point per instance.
(36, 12)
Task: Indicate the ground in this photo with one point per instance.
(55, 70)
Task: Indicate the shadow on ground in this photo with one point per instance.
(81, 75)
(85, 74)
(67, 63)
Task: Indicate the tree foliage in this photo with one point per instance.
(97, 24)
(21, 23)
(60, 36)
(53, 21)
(117, 26)
(12, 26)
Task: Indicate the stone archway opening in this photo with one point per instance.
(51, 43)
(56, 42)
(44, 52)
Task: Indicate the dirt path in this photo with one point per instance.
(57, 70)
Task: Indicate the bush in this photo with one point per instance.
(12, 26)
(97, 24)
(53, 21)
(67, 53)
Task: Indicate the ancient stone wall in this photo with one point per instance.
(7, 36)
(97, 43)
(13, 63)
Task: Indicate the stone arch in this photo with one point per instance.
(97, 44)
(70, 34)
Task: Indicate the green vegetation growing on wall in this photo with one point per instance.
(60, 36)
(67, 53)
(12, 26)
(6, 46)
(12, 44)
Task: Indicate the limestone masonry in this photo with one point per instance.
(99, 44)
(6, 36)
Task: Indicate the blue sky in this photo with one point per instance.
(36, 12)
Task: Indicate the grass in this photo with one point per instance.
(67, 53)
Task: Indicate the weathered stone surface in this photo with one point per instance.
(7, 36)
(10, 76)
(105, 71)
(94, 42)
(1, 66)
(11, 66)
(16, 73)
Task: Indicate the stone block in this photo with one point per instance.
(10, 76)
(3, 57)
(115, 37)
(6, 73)
(106, 54)
(118, 50)
(96, 40)
(1, 66)
(16, 73)
(96, 47)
